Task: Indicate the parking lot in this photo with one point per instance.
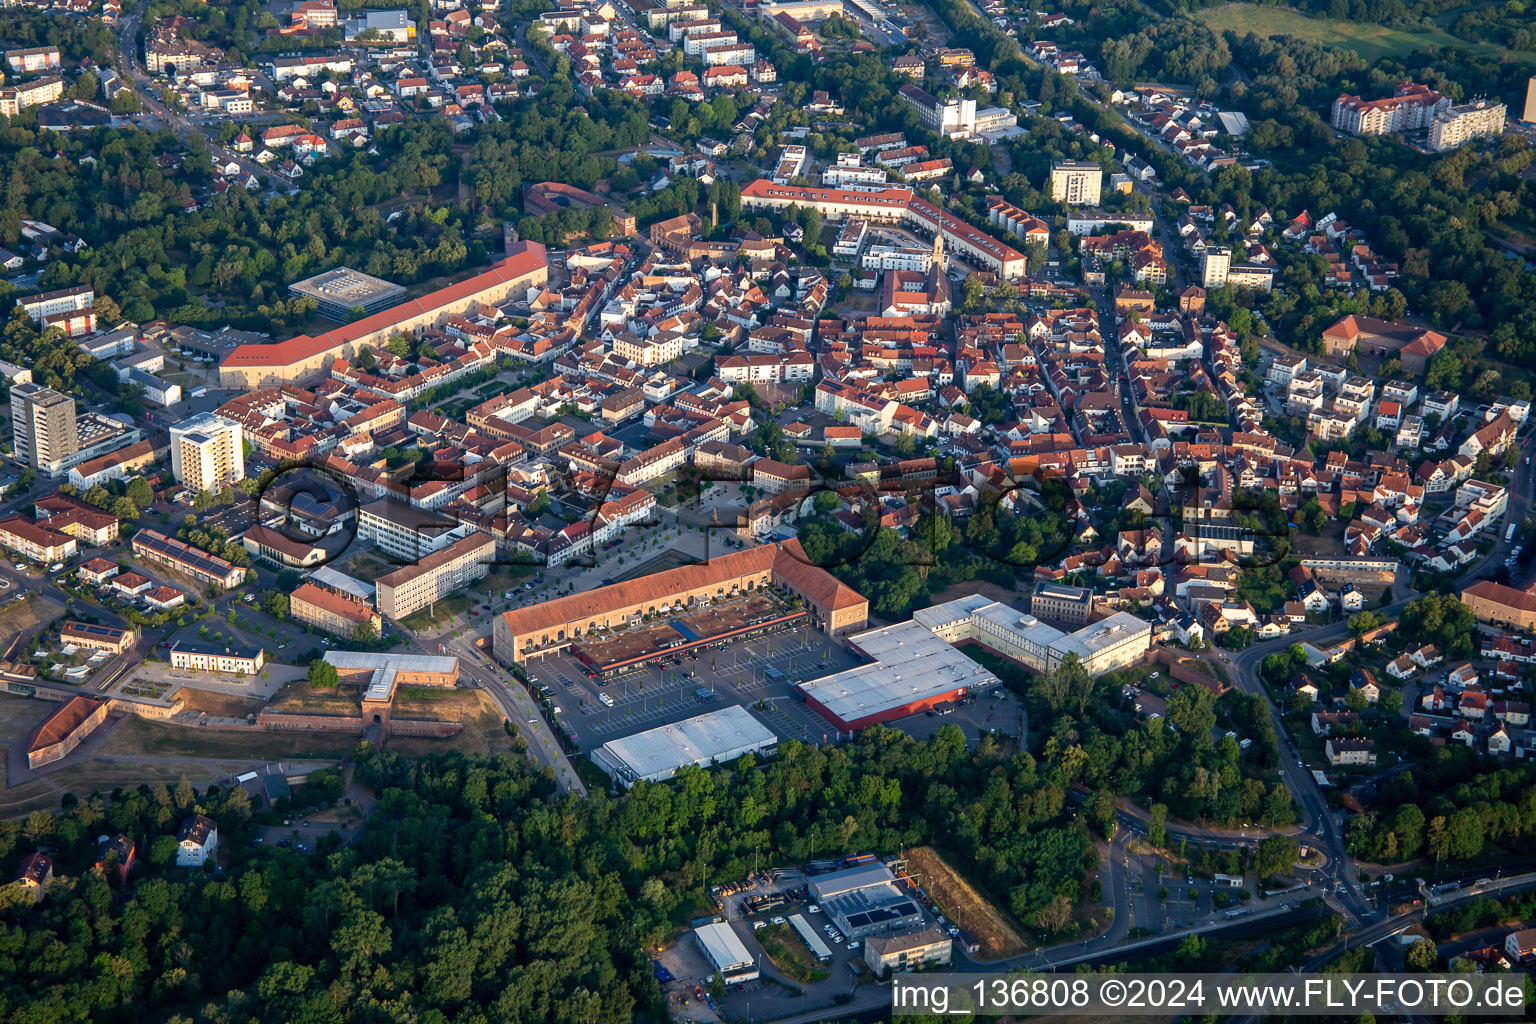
(758, 674)
(1179, 909)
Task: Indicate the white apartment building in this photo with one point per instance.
(791, 164)
(883, 256)
(850, 238)
(1458, 125)
(207, 453)
(1076, 182)
(1214, 266)
(66, 300)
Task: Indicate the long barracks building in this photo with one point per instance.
(541, 629)
(256, 366)
(892, 206)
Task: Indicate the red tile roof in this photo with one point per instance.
(64, 721)
(526, 258)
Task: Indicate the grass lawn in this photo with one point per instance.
(20, 715)
(483, 733)
(301, 695)
(439, 613)
(367, 568)
(789, 953)
(1370, 41)
(502, 578)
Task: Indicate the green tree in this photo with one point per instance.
(323, 675)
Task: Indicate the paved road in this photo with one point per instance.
(1319, 822)
(1399, 923)
(148, 89)
(516, 705)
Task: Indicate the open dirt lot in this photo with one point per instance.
(138, 737)
(25, 614)
(218, 704)
(970, 909)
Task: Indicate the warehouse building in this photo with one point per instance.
(864, 901)
(725, 951)
(911, 671)
(657, 754)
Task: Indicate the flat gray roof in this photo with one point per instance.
(345, 286)
(911, 664)
(407, 516)
(1096, 636)
(385, 666)
(702, 740)
(850, 879)
(723, 947)
(339, 580)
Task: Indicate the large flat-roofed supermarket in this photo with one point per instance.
(914, 666)
(911, 671)
(706, 739)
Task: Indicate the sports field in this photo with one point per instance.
(1370, 41)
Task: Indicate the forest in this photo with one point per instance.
(898, 575)
(1088, 729)
(158, 257)
(474, 893)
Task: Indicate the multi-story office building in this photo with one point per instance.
(1076, 182)
(44, 428)
(1061, 603)
(199, 657)
(1530, 101)
(434, 577)
(207, 452)
(405, 531)
(951, 117)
